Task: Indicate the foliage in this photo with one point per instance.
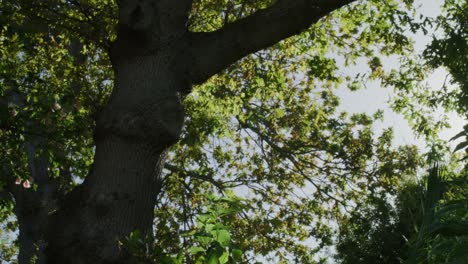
(425, 222)
(443, 235)
(268, 128)
(285, 143)
(448, 50)
(210, 237)
(8, 226)
(377, 231)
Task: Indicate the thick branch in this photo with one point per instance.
(214, 51)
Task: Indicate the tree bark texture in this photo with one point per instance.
(155, 61)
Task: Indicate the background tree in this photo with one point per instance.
(92, 99)
(442, 236)
(378, 231)
(426, 223)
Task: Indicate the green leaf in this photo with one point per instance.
(135, 236)
(209, 227)
(279, 112)
(260, 82)
(222, 236)
(224, 258)
(237, 254)
(206, 240)
(462, 133)
(219, 226)
(204, 217)
(213, 258)
(460, 146)
(167, 260)
(194, 250)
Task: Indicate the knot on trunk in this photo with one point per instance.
(157, 123)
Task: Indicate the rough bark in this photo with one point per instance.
(142, 119)
(116, 199)
(155, 61)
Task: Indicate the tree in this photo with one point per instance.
(442, 235)
(102, 83)
(444, 51)
(426, 224)
(378, 231)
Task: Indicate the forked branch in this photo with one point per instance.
(214, 51)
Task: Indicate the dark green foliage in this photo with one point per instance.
(377, 231)
(209, 241)
(425, 223)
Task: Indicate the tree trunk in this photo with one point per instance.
(142, 119)
(117, 198)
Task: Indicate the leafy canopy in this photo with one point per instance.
(267, 128)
